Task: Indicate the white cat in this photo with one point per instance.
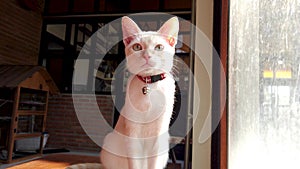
(140, 139)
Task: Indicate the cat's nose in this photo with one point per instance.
(147, 57)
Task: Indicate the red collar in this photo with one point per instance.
(152, 79)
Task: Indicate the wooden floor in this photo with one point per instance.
(61, 161)
(56, 161)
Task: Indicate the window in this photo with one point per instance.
(264, 84)
(64, 42)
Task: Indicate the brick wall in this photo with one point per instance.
(20, 32)
(63, 126)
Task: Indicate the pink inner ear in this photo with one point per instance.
(171, 41)
(128, 40)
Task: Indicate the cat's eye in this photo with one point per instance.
(159, 47)
(137, 47)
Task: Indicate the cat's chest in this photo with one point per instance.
(144, 108)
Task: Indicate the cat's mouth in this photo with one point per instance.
(149, 68)
(149, 71)
(147, 65)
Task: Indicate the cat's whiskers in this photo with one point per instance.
(178, 64)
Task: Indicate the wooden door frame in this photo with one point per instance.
(219, 149)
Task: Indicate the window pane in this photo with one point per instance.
(80, 81)
(57, 30)
(264, 84)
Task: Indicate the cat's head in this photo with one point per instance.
(152, 52)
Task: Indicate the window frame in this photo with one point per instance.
(219, 142)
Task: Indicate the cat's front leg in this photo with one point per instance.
(136, 163)
(158, 162)
(135, 153)
(158, 151)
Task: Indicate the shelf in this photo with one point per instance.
(31, 112)
(4, 118)
(32, 103)
(7, 101)
(27, 135)
(23, 109)
(32, 107)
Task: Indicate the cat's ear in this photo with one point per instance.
(170, 29)
(129, 28)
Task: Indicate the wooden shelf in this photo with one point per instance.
(28, 111)
(5, 118)
(7, 101)
(36, 103)
(26, 135)
(31, 112)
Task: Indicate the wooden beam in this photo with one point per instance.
(220, 41)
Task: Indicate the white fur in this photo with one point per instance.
(141, 139)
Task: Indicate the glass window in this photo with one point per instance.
(264, 84)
